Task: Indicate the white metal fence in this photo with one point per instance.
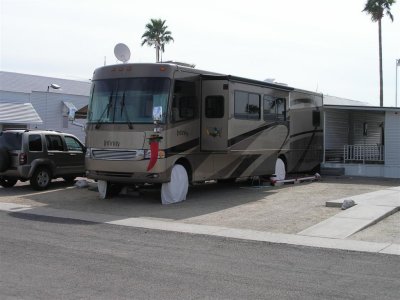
(364, 153)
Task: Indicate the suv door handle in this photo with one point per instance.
(72, 154)
(51, 154)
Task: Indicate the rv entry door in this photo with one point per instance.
(214, 117)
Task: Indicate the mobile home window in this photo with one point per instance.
(214, 107)
(247, 106)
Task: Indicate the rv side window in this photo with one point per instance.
(247, 106)
(214, 107)
(184, 101)
(316, 118)
(274, 108)
(281, 109)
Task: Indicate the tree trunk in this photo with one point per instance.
(157, 54)
(380, 63)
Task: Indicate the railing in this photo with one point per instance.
(364, 153)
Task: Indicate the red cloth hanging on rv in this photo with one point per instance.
(153, 154)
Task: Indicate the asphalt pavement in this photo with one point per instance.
(59, 258)
(242, 210)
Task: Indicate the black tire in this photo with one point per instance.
(227, 181)
(8, 182)
(110, 190)
(41, 179)
(4, 159)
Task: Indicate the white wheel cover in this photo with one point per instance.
(175, 190)
(102, 187)
(280, 172)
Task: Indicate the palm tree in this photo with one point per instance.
(377, 9)
(157, 35)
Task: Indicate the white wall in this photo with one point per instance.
(50, 105)
(13, 97)
(392, 139)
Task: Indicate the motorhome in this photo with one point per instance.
(173, 125)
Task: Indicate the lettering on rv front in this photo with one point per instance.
(182, 132)
(108, 143)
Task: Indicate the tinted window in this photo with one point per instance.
(247, 105)
(54, 143)
(35, 142)
(128, 100)
(274, 108)
(11, 140)
(73, 144)
(316, 118)
(253, 107)
(184, 101)
(214, 106)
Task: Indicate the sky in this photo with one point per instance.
(328, 46)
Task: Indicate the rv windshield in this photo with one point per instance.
(128, 100)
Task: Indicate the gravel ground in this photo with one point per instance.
(285, 209)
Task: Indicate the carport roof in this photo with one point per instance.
(18, 113)
(362, 108)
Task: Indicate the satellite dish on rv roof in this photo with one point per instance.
(122, 52)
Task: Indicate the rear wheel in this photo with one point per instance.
(175, 190)
(7, 182)
(41, 178)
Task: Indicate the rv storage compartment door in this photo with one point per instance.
(214, 116)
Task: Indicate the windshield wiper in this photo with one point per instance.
(126, 113)
(106, 109)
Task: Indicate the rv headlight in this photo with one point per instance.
(147, 154)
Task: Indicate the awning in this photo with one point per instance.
(18, 113)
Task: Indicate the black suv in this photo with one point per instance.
(39, 156)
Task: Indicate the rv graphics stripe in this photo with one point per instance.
(302, 158)
(243, 165)
(306, 132)
(182, 147)
(248, 134)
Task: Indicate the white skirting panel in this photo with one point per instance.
(367, 170)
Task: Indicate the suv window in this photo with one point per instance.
(11, 140)
(35, 142)
(73, 144)
(54, 143)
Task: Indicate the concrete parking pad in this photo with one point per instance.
(370, 208)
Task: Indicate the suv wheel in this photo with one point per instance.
(4, 159)
(7, 182)
(41, 178)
